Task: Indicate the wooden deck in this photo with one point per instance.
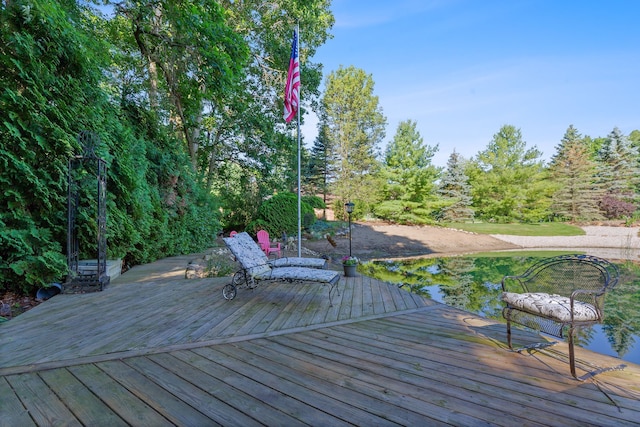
(157, 349)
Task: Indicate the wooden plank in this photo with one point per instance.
(386, 297)
(400, 381)
(466, 375)
(347, 299)
(398, 299)
(291, 307)
(378, 402)
(367, 297)
(12, 411)
(234, 319)
(254, 314)
(41, 402)
(189, 393)
(85, 406)
(200, 307)
(333, 312)
(357, 301)
(310, 300)
(128, 406)
(291, 397)
(230, 389)
(316, 312)
(278, 301)
(376, 296)
(170, 406)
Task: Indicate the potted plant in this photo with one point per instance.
(349, 263)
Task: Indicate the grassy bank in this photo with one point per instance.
(540, 229)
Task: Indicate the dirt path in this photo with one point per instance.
(379, 240)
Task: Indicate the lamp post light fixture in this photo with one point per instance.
(349, 206)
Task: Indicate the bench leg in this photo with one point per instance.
(572, 362)
(572, 355)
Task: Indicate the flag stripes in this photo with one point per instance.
(292, 87)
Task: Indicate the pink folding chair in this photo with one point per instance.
(265, 244)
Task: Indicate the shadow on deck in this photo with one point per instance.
(157, 349)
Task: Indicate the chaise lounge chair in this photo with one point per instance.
(252, 246)
(255, 269)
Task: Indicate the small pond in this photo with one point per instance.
(472, 283)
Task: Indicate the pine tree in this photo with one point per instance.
(319, 172)
(619, 173)
(572, 170)
(508, 180)
(455, 189)
(355, 126)
(407, 166)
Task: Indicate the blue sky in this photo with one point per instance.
(462, 69)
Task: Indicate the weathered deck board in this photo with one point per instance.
(156, 349)
(158, 397)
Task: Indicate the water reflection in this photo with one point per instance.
(472, 283)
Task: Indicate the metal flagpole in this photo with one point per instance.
(299, 189)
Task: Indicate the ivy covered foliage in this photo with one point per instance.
(52, 78)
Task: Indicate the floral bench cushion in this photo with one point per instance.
(551, 306)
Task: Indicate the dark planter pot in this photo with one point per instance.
(349, 270)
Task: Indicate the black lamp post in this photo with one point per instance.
(349, 206)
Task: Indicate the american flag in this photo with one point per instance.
(292, 88)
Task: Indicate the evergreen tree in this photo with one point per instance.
(455, 189)
(508, 180)
(409, 178)
(619, 174)
(408, 172)
(577, 194)
(355, 126)
(634, 140)
(319, 172)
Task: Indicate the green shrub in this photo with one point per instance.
(314, 201)
(279, 214)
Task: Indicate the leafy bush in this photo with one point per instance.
(404, 212)
(314, 201)
(279, 214)
(614, 208)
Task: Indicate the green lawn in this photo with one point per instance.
(540, 229)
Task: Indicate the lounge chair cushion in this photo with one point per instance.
(299, 262)
(300, 273)
(551, 306)
(254, 256)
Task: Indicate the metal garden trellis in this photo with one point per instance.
(82, 170)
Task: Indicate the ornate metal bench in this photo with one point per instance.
(558, 295)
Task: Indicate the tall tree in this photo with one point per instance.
(189, 44)
(508, 180)
(573, 172)
(355, 126)
(319, 172)
(456, 191)
(409, 177)
(245, 127)
(619, 173)
(408, 171)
